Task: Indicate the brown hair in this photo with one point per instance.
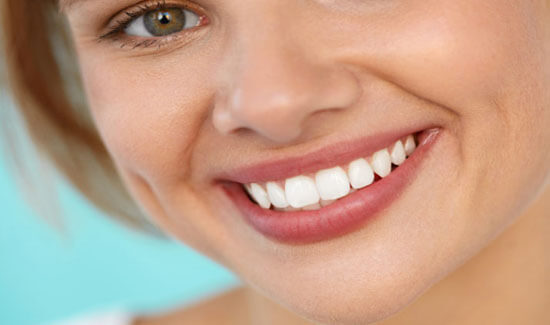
(51, 105)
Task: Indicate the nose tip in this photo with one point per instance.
(276, 106)
(266, 111)
(226, 124)
(274, 87)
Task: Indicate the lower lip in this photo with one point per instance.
(341, 217)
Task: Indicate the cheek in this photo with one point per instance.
(488, 65)
(149, 114)
(460, 54)
(484, 61)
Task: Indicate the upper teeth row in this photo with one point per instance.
(325, 186)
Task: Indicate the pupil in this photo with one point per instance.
(164, 17)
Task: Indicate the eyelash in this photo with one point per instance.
(116, 31)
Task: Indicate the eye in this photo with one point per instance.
(162, 22)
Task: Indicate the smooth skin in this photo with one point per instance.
(277, 78)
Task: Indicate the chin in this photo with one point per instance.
(348, 302)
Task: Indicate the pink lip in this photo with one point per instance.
(339, 218)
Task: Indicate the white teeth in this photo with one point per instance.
(332, 183)
(360, 173)
(276, 195)
(398, 154)
(315, 191)
(410, 145)
(381, 163)
(259, 195)
(301, 191)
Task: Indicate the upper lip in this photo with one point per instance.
(329, 156)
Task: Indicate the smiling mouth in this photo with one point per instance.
(324, 187)
(329, 193)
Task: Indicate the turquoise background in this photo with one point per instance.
(49, 273)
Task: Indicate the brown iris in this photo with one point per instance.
(163, 22)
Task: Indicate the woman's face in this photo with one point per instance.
(240, 92)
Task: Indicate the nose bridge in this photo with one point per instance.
(274, 76)
(266, 42)
(273, 82)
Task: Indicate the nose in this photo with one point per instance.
(272, 86)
